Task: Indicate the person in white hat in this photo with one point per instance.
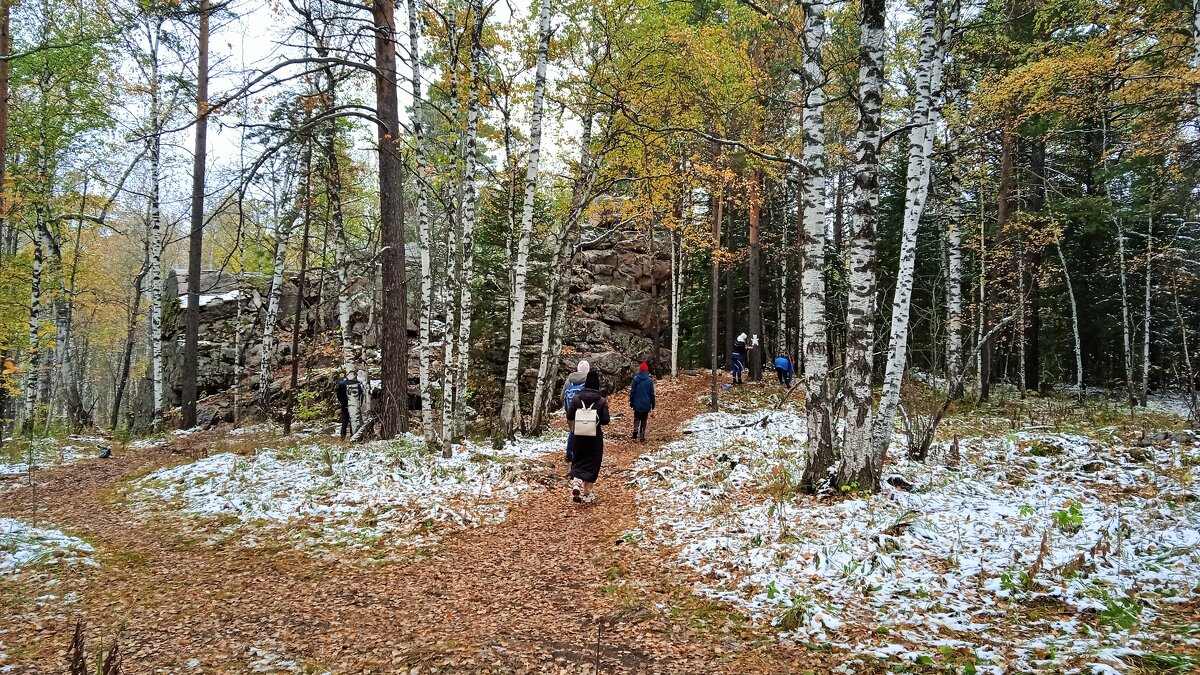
(571, 389)
(739, 358)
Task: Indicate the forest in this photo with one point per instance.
(294, 295)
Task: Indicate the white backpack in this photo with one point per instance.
(587, 420)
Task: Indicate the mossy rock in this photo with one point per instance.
(1045, 448)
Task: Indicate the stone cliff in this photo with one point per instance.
(612, 318)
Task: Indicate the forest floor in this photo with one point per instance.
(554, 587)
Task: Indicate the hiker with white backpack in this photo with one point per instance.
(574, 385)
(589, 414)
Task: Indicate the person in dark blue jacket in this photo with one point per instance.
(783, 370)
(641, 399)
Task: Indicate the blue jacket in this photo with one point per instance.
(641, 393)
(784, 362)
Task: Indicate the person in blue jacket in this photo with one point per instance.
(641, 399)
(783, 370)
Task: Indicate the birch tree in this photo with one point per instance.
(462, 281)
(424, 238)
(920, 147)
(858, 466)
(511, 407)
(816, 355)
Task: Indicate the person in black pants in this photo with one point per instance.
(641, 399)
(346, 387)
(739, 358)
(589, 450)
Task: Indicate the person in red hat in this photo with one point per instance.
(641, 399)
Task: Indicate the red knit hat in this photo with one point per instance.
(644, 368)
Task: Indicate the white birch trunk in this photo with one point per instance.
(35, 310)
(676, 295)
(1146, 307)
(858, 467)
(424, 240)
(920, 147)
(1126, 323)
(155, 280)
(1074, 317)
(1021, 309)
(511, 408)
(816, 357)
(566, 241)
(283, 233)
(470, 207)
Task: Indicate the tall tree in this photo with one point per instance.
(191, 354)
(424, 236)
(393, 414)
(816, 353)
(511, 407)
(859, 465)
(920, 147)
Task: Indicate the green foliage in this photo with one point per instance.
(1121, 613)
(1070, 518)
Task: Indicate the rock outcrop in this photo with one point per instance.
(617, 304)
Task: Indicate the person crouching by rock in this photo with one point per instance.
(783, 370)
(641, 399)
(589, 412)
(571, 389)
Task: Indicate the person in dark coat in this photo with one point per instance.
(589, 450)
(641, 399)
(739, 358)
(346, 387)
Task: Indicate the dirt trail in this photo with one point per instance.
(527, 595)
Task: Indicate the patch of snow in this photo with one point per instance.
(1022, 521)
(214, 299)
(46, 452)
(377, 494)
(23, 545)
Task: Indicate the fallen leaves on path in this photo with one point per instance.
(551, 589)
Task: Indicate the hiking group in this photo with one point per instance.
(784, 370)
(588, 414)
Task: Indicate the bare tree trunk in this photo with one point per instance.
(1074, 318)
(393, 413)
(1187, 357)
(470, 208)
(5, 93)
(816, 361)
(1126, 323)
(283, 233)
(560, 268)
(297, 329)
(1146, 307)
(1019, 329)
(713, 307)
(755, 274)
(511, 408)
(191, 354)
(35, 310)
(920, 148)
(135, 309)
(424, 238)
(155, 235)
(676, 297)
(858, 466)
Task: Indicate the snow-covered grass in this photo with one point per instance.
(374, 496)
(15, 456)
(23, 546)
(1042, 549)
